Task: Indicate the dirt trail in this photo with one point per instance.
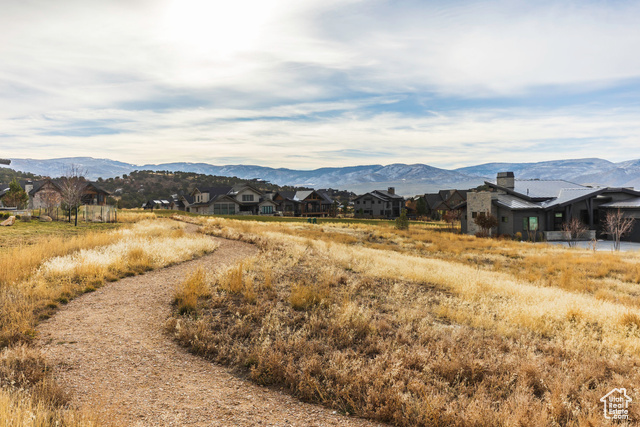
(109, 349)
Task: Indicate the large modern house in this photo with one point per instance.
(241, 198)
(378, 204)
(543, 206)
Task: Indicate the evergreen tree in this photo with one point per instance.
(402, 222)
(16, 196)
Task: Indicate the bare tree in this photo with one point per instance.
(50, 199)
(486, 222)
(73, 185)
(452, 217)
(617, 226)
(573, 229)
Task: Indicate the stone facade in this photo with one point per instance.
(477, 203)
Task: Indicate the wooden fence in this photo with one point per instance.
(86, 213)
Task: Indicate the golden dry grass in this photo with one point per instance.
(125, 216)
(18, 262)
(424, 328)
(40, 277)
(28, 395)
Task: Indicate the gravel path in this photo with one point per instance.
(109, 349)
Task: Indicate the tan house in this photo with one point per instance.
(48, 193)
(237, 200)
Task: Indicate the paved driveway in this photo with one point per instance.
(603, 245)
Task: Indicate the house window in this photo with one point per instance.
(505, 219)
(358, 202)
(558, 219)
(379, 202)
(247, 197)
(530, 223)
(267, 209)
(224, 209)
(474, 214)
(584, 216)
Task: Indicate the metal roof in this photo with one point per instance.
(567, 195)
(542, 188)
(538, 188)
(387, 194)
(372, 194)
(512, 202)
(301, 195)
(629, 203)
(325, 195)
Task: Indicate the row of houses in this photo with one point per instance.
(248, 200)
(521, 206)
(48, 193)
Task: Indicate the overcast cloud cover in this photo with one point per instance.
(305, 84)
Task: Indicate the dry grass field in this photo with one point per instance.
(47, 271)
(421, 327)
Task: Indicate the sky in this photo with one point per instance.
(317, 83)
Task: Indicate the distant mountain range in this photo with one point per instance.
(407, 179)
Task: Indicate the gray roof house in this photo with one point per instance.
(303, 202)
(242, 199)
(379, 204)
(530, 207)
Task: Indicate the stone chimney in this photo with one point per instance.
(391, 190)
(506, 180)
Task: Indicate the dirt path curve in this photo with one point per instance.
(109, 349)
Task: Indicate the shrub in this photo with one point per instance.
(402, 222)
(486, 222)
(303, 296)
(190, 291)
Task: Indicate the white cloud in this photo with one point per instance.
(444, 140)
(71, 65)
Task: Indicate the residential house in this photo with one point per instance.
(242, 199)
(443, 201)
(303, 202)
(379, 204)
(533, 207)
(286, 203)
(176, 203)
(48, 193)
(157, 204)
(215, 200)
(313, 202)
(184, 202)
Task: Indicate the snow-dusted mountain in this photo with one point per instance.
(570, 170)
(408, 179)
(582, 171)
